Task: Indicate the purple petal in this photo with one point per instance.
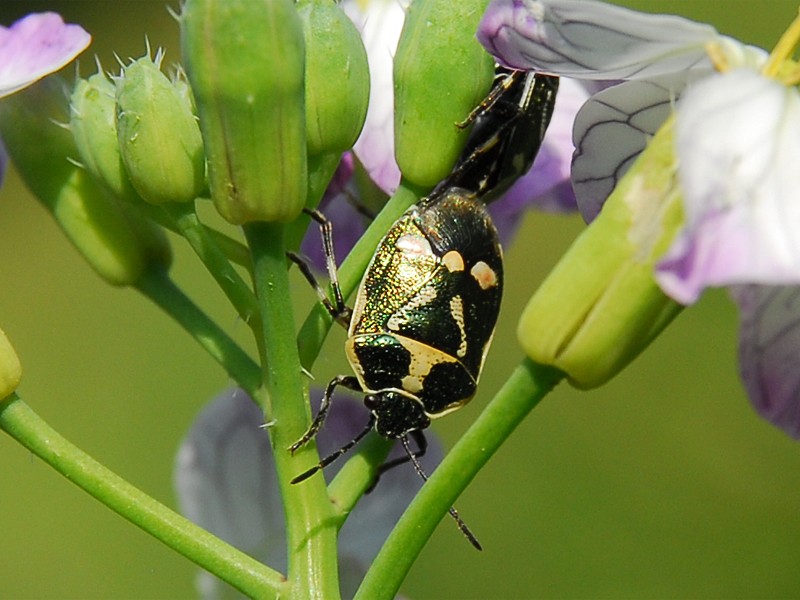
(738, 152)
(591, 40)
(225, 481)
(35, 46)
(769, 352)
(380, 24)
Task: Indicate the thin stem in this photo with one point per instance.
(521, 393)
(357, 474)
(209, 552)
(158, 287)
(228, 278)
(310, 526)
(235, 251)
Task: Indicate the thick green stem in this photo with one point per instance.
(158, 287)
(522, 392)
(232, 284)
(310, 523)
(209, 552)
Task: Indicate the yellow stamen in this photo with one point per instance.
(717, 56)
(783, 49)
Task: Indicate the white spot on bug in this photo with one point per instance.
(457, 311)
(453, 261)
(413, 245)
(425, 296)
(484, 275)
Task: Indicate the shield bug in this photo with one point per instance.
(426, 309)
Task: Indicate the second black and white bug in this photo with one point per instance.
(426, 309)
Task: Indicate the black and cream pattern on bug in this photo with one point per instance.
(426, 309)
(427, 305)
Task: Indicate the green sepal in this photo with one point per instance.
(441, 73)
(10, 367)
(93, 122)
(337, 77)
(245, 61)
(111, 240)
(158, 135)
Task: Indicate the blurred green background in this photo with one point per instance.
(663, 483)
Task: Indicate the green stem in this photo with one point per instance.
(234, 250)
(310, 523)
(158, 287)
(316, 326)
(228, 278)
(209, 552)
(358, 473)
(528, 384)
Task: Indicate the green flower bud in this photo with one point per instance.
(158, 135)
(245, 62)
(337, 77)
(10, 367)
(93, 122)
(600, 306)
(111, 241)
(441, 73)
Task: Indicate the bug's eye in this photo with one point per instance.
(372, 401)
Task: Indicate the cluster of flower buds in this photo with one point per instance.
(113, 237)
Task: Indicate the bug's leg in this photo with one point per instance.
(422, 448)
(332, 457)
(503, 80)
(347, 381)
(342, 312)
(305, 270)
(453, 512)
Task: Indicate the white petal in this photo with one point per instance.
(739, 150)
(592, 40)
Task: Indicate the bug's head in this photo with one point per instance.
(396, 414)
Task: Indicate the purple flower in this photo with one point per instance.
(33, 47)
(225, 481)
(736, 118)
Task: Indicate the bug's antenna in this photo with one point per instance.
(453, 512)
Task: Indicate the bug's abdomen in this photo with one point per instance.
(435, 281)
(439, 381)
